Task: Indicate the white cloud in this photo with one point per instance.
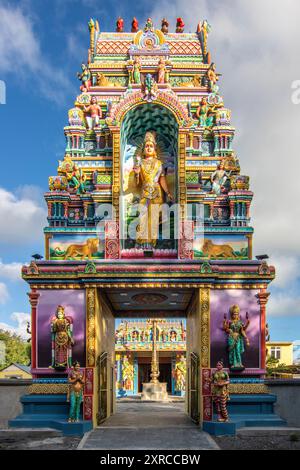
(24, 219)
(287, 270)
(20, 319)
(11, 271)
(4, 296)
(284, 304)
(17, 36)
(19, 40)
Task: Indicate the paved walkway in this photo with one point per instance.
(148, 426)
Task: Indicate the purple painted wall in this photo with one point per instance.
(220, 302)
(74, 302)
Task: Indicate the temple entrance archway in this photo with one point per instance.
(130, 349)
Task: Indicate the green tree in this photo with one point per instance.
(16, 349)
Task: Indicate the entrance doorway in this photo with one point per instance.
(134, 327)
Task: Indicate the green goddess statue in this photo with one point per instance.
(75, 392)
(236, 331)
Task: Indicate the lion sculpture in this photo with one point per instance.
(85, 250)
(211, 250)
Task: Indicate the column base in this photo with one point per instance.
(155, 392)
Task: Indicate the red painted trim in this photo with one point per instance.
(33, 298)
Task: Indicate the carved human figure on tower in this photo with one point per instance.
(203, 30)
(62, 339)
(220, 393)
(76, 179)
(150, 178)
(162, 71)
(94, 113)
(212, 78)
(136, 72)
(85, 77)
(236, 331)
(150, 88)
(218, 179)
(204, 114)
(75, 392)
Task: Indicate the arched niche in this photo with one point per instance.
(136, 122)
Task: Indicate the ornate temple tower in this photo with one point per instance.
(149, 127)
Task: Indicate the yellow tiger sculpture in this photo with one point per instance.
(211, 250)
(85, 250)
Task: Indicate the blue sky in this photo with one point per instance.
(42, 44)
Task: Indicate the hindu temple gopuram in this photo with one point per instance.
(148, 217)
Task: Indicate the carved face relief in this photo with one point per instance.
(149, 149)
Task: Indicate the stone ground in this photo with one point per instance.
(36, 439)
(148, 426)
(261, 439)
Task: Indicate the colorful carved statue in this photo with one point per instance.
(82, 250)
(150, 177)
(164, 26)
(205, 114)
(218, 179)
(212, 250)
(203, 30)
(179, 25)
(75, 392)
(76, 117)
(62, 339)
(85, 77)
(236, 331)
(149, 25)
(120, 25)
(94, 113)
(58, 183)
(134, 25)
(179, 374)
(73, 174)
(220, 392)
(136, 72)
(150, 88)
(127, 374)
(162, 71)
(212, 78)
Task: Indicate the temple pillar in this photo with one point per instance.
(262, 300)
(100, 344)
(66, 206)
(50, 205)
(231, 205)
(248, 204)
(199, 406)
(85, 209)
(116, 171)
(33, 299)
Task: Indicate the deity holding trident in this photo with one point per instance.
(150, 177)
